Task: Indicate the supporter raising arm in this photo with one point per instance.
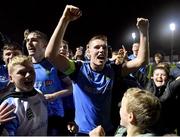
(70, 13)
(93, 80)
(143, 53)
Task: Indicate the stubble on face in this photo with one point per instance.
(98, 54)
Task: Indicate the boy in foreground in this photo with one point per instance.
(31, 110)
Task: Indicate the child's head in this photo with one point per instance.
(21, 73)
(160, 76)
(139, 108)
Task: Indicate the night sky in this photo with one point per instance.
(114, 18)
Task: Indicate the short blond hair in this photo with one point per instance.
(144, 105)
(17, 60)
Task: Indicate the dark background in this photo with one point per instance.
(114, 18)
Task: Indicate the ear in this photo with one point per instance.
(10, 79)
(88, 53)
(131, 118)
(152, 77)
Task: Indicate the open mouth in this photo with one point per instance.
(159, 80)
(28, 83)
(101, 57)
(31, 49)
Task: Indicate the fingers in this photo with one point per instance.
(71, 12)
(46, 96)
(102, 132)
(49, 97)
(7, 119)
(142, 22)
(8, 112)
(122, 50)
(72, 127)
(123, 47)
(5, 112)
(75, 11)
(143, 25)
(5, 108)
(98, 131)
